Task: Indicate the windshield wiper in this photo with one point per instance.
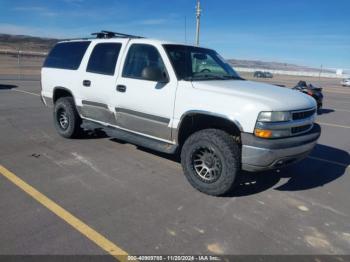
(204, 77)
(211, 77)
(233, 77)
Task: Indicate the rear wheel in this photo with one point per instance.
(66, 118)
(211, 161)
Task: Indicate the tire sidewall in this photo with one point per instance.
(64, 103)
(228, 172)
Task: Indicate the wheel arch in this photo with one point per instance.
(60, 91)
(193, 121)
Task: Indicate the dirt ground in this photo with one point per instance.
(22, 65)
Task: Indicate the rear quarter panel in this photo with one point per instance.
(52, 78)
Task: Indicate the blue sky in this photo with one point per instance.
(305, 32)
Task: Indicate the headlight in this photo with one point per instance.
(266, 125)
(274, 116)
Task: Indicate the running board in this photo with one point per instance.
(138, 140)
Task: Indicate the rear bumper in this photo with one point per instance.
(264, 154)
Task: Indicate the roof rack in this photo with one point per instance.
(109, 34)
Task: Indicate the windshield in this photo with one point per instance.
(197, 64)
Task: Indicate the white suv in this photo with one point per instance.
(178, 98)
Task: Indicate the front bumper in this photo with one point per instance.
(263, 154)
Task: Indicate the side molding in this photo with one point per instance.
(140, 122)
(97, 111)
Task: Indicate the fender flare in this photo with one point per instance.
(176, 131)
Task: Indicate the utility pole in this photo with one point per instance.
(186, 29)
(198, 16)
(321, 71)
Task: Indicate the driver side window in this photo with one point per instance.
(139, 58)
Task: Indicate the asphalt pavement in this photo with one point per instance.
(140, 202)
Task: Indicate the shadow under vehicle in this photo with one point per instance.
(307, 174)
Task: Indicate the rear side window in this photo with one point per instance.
(66, 55)
(141, 56)
(104, 58)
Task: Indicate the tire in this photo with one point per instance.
(220, 152)
(66, 118)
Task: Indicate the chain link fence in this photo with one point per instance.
(20, 65)
(24, 65)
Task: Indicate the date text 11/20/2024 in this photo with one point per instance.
(174, 258)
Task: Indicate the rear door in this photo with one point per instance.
(144, 106)
(98, 83)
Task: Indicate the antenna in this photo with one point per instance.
(198, 17)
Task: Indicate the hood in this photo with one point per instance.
(275, 97)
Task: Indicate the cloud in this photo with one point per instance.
(40, 10)
(30, 8)
(18, 30)
(49, 32)
(73, 1)
(76, 3)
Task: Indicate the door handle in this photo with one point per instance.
(86, 83)
(121, 88)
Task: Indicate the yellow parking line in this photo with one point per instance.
(334, 125)
(329, 161)
(76, 223)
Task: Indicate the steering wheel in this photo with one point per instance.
(205, 70)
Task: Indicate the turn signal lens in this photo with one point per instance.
(263, 133)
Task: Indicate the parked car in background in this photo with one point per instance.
(261, 74)
(345, 82)
(268, 75)
(315, 92)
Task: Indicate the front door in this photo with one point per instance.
(144, 106)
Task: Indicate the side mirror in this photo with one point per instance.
(153, 73)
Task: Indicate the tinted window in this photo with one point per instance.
(141, 56)
(67, 55)
(104, 58)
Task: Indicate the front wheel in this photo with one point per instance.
(211, 161)
(66, 118)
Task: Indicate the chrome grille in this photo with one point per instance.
(303, 114)
(301, 129)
